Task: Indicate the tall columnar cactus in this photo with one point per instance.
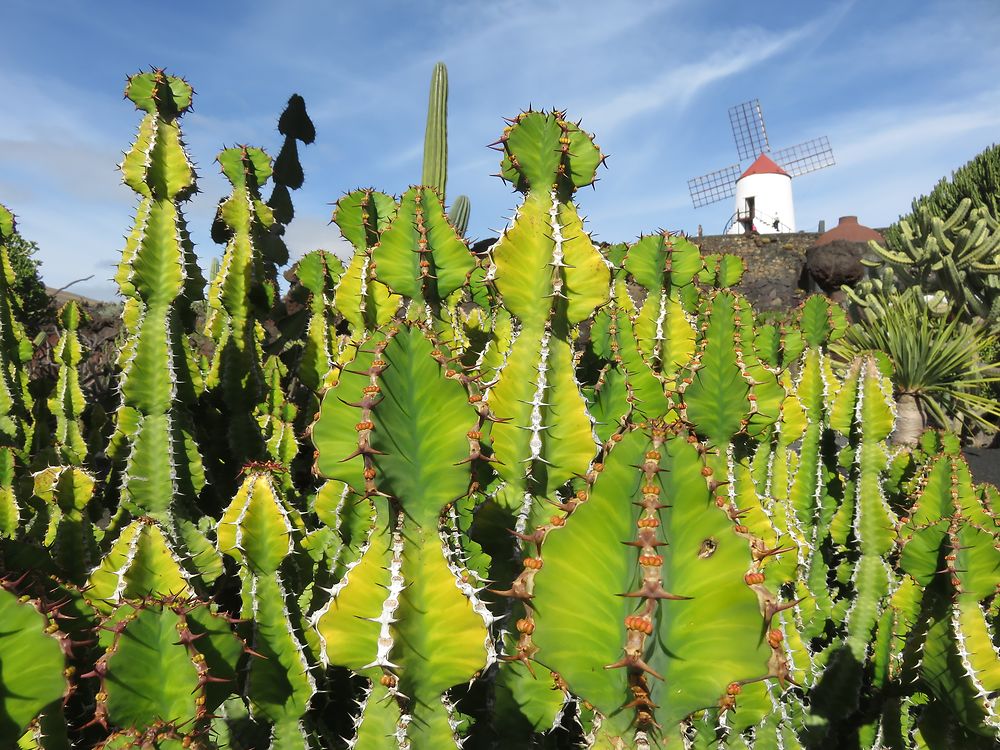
(795, 492)
(435, 169)
(15, 401)
(551, 278)
(66, 401)
(405, 614)
(435, 166)
(238, 300)
(154, 437)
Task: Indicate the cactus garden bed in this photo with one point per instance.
(554, 495)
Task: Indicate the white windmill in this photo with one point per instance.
(764, 189)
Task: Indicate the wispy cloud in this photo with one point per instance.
(886, 133)
(743, 49)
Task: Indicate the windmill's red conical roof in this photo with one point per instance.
(764, 165)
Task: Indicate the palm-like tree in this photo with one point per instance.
(940, 367)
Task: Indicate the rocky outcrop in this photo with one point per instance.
(775, 277)
(834, 260)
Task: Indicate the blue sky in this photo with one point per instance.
(906, 90)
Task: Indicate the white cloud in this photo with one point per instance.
(307, 233)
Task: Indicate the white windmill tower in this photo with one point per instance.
(763, 190)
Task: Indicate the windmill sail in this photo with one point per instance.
(805, 157)
(714, 186)
(747, 121)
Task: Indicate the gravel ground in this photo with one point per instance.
(985, 464)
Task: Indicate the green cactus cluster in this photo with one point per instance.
(560, 495)
(956, 258)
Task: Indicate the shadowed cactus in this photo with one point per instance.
(33, 667)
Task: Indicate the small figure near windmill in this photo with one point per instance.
(763, 191)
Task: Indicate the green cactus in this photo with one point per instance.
(258, 531)
(143, 561)
(683, 588)
(403, 614)
(949, 546)
(145, 640)
(154, 438)
(15, 400)
(238, 300)
(419, 255)
(435, 170)
(957, 256)
(551, 278)
(67, 402)
(317, 275)
(66, 492)
(363, 300)
(33, 662)
(435, 165)
(458, 214)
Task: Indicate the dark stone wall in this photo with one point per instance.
(776, 278)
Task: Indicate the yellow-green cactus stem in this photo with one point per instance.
(154, 442)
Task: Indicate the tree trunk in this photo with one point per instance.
(910, 420)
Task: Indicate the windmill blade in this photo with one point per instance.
(714, 186)
(747, 121)
(805, 157)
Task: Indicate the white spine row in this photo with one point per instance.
(660, 317)
(389, 606)
(468, 590)
(987, 700)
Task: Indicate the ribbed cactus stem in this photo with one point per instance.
(67, 402)
(459, 214)
(15, 400)
(15, 351)
(435, 171)
(239, 300)
(154, 440)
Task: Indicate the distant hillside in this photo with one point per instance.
(62, 297)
